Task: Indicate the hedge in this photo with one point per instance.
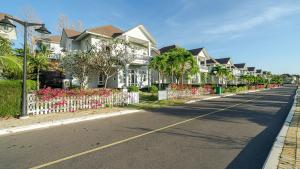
(10, 96)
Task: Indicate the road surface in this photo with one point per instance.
(232, 132)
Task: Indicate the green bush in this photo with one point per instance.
(10, 96)
(153, 89)
(133, 89)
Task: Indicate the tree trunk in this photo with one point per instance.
(105, 82)
(38, 79)
(159, 81)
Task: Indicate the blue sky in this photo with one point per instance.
(261, 33)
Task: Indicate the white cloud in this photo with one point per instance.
(270, 14)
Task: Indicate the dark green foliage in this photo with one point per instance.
(10, 96)
(153, 89)
(5, 47)
(133, 89)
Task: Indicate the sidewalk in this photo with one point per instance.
(285, 152)
(290, 155)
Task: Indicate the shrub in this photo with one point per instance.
(153, 89)
(10, 96)
(133, 89)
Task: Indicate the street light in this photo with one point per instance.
(6, 23)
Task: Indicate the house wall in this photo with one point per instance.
(5, 33)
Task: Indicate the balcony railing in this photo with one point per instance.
(142, 57)
(54, 56)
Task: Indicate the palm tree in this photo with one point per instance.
(159, 63)
(40, 62)
(222, 73)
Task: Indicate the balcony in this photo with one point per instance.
(141, 59)
(203, 68)
(54, 56)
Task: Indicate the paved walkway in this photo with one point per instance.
(290, 155)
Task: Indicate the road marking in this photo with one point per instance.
(137, 136)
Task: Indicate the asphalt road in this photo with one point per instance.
(233, 132)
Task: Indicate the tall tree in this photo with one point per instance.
(181, 63)
(159, 63)
(65, 22)
(76, 64)
(110, 56)
(40, 61)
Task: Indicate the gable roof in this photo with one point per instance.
(155, 52)
(251, 69)
(145, 31)
(258, 71)
(71, 33)
(223, 60)
(107, 30)
(211, 61)
(195, 51)
(167, 48)
(2, 15)
(240, 65)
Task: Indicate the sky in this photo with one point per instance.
(260, 33)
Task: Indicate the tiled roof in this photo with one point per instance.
(240, 65)
(195, 51)
(167, 48)
(71, 33)
(251, 68)
(2, 15)
(107, 30)
(210, 61)
(223, 60)
(155, 52)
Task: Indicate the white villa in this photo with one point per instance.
(137, 72)
(53, 44)
(5, 32)
(251, 71)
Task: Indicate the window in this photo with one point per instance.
(101, 80)
(143, 75)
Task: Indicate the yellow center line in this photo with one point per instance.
(135, 137)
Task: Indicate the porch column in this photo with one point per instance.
(126, 75)
(149, 71)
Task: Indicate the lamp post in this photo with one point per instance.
(7, 24)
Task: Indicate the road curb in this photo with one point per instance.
(272, 160)
(11, 130)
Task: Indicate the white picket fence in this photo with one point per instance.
(73, 103)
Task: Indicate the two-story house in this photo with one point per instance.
(7, 32)
(251, 71)
(136, 73)
(259, 72)
(53, 45)
(228, 63)
(201, 56)
(242, 70)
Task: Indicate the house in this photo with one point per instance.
(201, 56)
(53, 44)
(242, 70)
(228, 63)
(7, 32)
(211, 63)
(136, 73)
(251, 71)
(259, 72)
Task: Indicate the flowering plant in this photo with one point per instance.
(49, 93)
